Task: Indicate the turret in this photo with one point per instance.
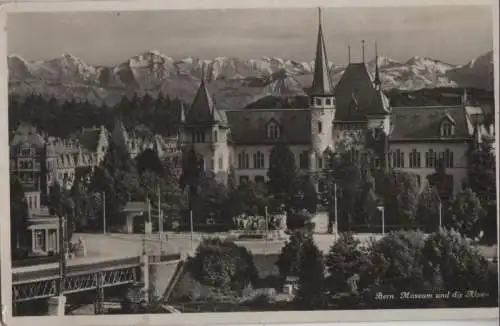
(322, 103)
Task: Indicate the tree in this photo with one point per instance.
(223, 264)
(303, 194)
(192, 171)
(481, 173)
(248, 198)
(290, 257)
(117, 177)
(401, 195)
(282, 171)
(149, 160)
(465, 214)
(87, 205)
(441, 181)
(482, 180)
(451, 263)
(210, 200)
(311, 292)
(345, 259)
(395, 262)
(18, 215)
(429, 206)
(60, 204)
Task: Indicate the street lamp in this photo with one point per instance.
(381, 208)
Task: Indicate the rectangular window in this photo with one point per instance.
(398, 159)
(221, 162)
(39, 240)
(430, 159)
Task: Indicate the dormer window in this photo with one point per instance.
(273, 130)
(318, 102)
(328, 101)
(447, 129)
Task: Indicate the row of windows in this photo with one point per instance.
(24, 164)
(200, 136)
(259, 160)
(432, 159)
(318, 101)
(244, 160)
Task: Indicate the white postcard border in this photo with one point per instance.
(471, 316)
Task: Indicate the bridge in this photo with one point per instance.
(41, 281)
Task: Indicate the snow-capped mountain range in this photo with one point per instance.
(233, 81)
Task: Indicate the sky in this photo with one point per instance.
(454, 35)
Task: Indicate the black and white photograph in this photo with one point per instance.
(252, 160)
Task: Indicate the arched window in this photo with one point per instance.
(215, 136)
(243, 160)
(199, 136)
(319, 159)
(273, 130)
(258, 160)
(304, 160)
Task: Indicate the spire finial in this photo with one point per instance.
(203, 72)
(363, 49)
(319, 15)
(377, 75)
(464, 97)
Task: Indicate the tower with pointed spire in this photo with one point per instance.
(204, 127)
(322, 104)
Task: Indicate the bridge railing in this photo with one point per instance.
(53, 272)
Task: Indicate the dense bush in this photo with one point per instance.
(311, 291)
(289, 260)
(345, 259)
(451, 263)
(223, 264)
(395, 261)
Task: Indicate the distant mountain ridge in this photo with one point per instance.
(234, 81)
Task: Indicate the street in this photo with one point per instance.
(121, 245)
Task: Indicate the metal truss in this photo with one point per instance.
(39, 289)
(36, 290)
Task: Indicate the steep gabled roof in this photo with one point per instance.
(203, 110)
(202, 106)
(424, 123)
(354, 83)
(322, 83)
(379, 104)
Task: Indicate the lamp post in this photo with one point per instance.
(104, 213)
(382, 210)
(440, 207)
